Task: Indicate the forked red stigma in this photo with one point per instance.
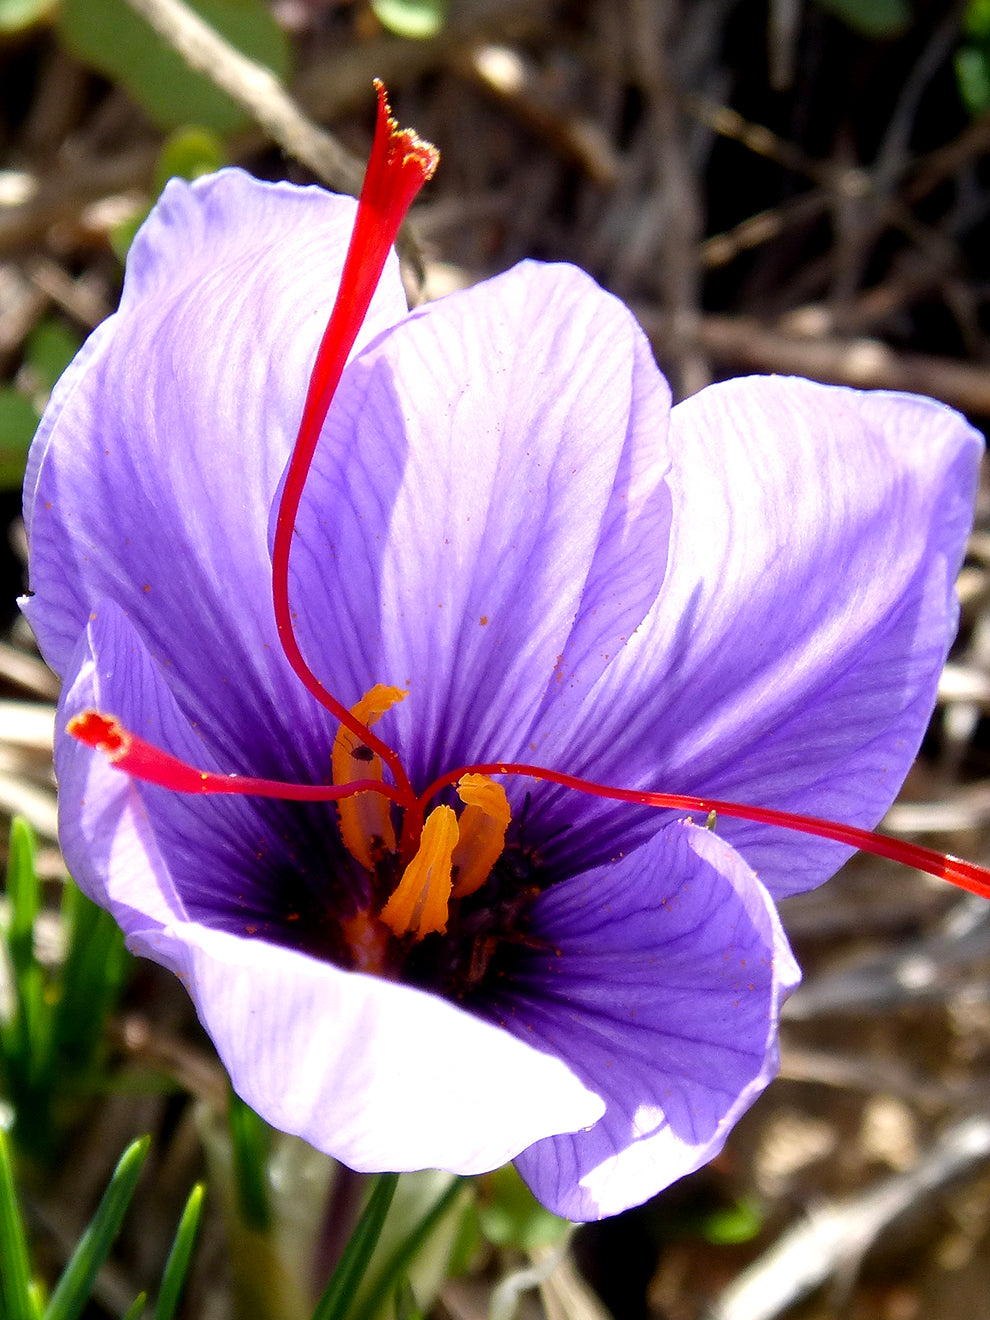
(400, 164)
(144, 761)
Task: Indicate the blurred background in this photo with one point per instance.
(797, 186)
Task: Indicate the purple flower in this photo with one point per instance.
(749, 596)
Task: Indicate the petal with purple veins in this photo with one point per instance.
(661, 987)
(488, 512)
(152, 475)
(793, 655)
(376, 1073)
(237, 863)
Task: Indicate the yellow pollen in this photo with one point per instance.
(418, 907)
(482, 827)
(365, 821)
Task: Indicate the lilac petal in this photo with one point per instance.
(106, 839)
(491, 480)
(247, 864)
(662, 990)
(152, 475)
(378, 1074)
(793, 655)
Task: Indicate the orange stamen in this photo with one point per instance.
(419, 905)
(365, 821)
(481, 832)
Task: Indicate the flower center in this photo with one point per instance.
(454, 856)
(442, 858)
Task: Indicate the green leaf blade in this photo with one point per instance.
(109, 37)
(90, 982)
(343, 1286)
(177, 1265)
(417, 20)
(18, 423)
(74, 1287)
(15, 1269)
(393, 1277)
(878, 19)
(249, 1137)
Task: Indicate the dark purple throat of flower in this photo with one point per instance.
(441, 855)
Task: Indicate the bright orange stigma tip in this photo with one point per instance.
(404, 144)
(101, 732)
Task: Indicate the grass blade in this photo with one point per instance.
(177, 1265)
(340, 1291)
(393, 1274)
(90, 982)
(24, 893)
(15, 1268)
(25, 1034)
(406, 1307)
(249, 1139)
(74, 1287)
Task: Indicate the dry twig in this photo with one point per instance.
(255, 88)
(742, 341)
(835, 1237)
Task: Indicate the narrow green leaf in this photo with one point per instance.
(397, 1266)
(406, 1306)
(136, 1309)
(18, 423)
(335, 1303)
(880, 19)
(976, 20)
(177, 1265)
(90, 982)
(25, 1035)
(511, 1216)
(110, 37)
(250, 1136)
(188, 153)
(973, 78)
(23, 891)
(26, 1050)
(74, 1287)
(123, 233)
(15, 1269)
(50, 348)
(732, 1225)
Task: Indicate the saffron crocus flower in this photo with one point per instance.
(517, 563)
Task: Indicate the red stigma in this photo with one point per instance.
(963, 874)
(146, 762)
(101, 732)
(399, 165)
(142, 760)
